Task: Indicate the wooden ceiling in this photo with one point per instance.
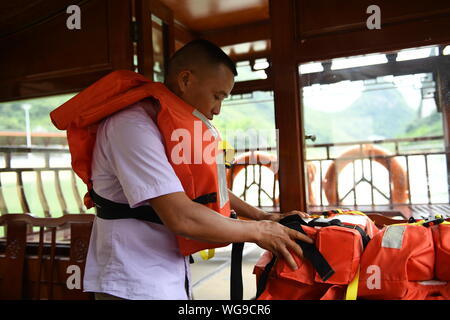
(206, 15)
(196, 15)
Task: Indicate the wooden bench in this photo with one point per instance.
(48, 265)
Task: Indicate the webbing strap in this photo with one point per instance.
(207, 254)
(310, 252)
(336, 222)
(236, 283)
(110, 210)
(352, 289)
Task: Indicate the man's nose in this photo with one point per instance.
(217, 108)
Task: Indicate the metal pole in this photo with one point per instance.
(27, 108)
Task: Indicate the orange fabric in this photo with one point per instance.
(81, 114)
(441, 237)
(404, 261)
(341, 247)
(414, 268)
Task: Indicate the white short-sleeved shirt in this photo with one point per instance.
(130, 258)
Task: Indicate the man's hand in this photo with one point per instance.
(279, 239)
(196, 221)
(278, 216)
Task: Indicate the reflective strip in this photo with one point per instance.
(208, 123)
(393, 237)
(220, 163)
(433, 283)
(221, 173)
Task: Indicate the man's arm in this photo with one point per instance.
(192, 220)
(246, 210)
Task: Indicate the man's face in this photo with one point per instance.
(206, 89)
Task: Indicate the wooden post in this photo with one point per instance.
(144, 11)
(288, 110)
(443, 94)
(12, 273)
(144, 41)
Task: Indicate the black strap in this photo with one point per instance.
(107, 209)
(310, 252)
(336, 222)
(264, 277)
(236, 283)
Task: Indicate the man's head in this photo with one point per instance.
(202, 75)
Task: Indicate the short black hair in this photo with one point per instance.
(199, 50)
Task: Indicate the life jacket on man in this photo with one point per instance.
(189, 138)
(407, 261)
(330, 266)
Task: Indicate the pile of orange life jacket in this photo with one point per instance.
(401, 261)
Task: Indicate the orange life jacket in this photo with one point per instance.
(200, 174)
(407, 262)
(403, 262)
(341, 244)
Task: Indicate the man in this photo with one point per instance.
(135, 259)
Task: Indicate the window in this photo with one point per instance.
(379, 130)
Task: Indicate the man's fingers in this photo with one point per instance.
(289, 259)
(294, 234)
(296, 248)
(300, 213)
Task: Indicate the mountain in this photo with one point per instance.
(375, 114)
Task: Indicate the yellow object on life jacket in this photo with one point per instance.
(191, 142)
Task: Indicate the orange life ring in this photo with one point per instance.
(399, 184)
(252, 158)
(269, 161)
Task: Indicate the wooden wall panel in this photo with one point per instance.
(328, 29)
(325, 16)
(48, 58)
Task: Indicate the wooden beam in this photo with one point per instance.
(395, 68)
(182, 34)
(239, 34)
(252, 55)
(288, 110)
(342, 39)
(252, 85)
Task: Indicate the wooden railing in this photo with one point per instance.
(49, 191)
(397, 161)
(254, 177)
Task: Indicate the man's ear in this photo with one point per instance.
(184, 80)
